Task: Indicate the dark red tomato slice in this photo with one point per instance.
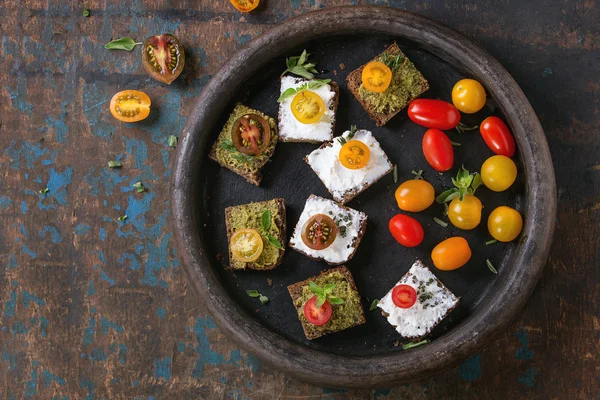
(497, 136)
(251, 134)
(432, 113)
(406, 230)
(404, 296)
(163, 57)
(438, 150)
(319, 232)
(317, 315)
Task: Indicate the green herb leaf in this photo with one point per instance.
(462, 128)
(489, 242)
(491, 266)
(44, 191)
(172, 141)
(86, 12)
(252, 293)
(328, 288)
(455, 144)
(228, 145)
(336, 300)
(139, 187)
(395, 173)
(314, 84)
(114, 164)
(353, 130)
(316, 289)
(320, 301)
(476, 182)
(287, 93)
(374, 304)
(393, 62)
(273, 240)
(447, 195)
(122, 218)
(265, 220)
(418, 174)
(342, 140)
(465, 183)
(303, 57)
(440, 222)
(125, 43)
(411, 345)
(263, 299)
(298, 65)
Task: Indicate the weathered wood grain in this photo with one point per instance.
(92, 308)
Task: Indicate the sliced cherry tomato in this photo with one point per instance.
(130, 106)
(354, 154)
(308, 107)
(498, 173)
(468, 96)
(415, 195)
(438, 150)
(319, 232)
(432, 113)
(451, 254)
(163, 57)
(404, 296)
(251, 134)
(505, 224)
(317, 315)
(497, 136)
(406, 230)
(376, 77)
(245, 5)
(465, 214)
(246, 245)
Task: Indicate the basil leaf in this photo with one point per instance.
(292, 61)
(374, 304)
(301, 71)
(114, 164)
(125, 43)
(316, 289)
(265, 220)
(273, 240)
(320, 301)
(287, 93)
(252, 293)
(263, 299)
(329, 288)
(44, 191)
(86, 12)
(122, 218)
(303, 58)
(172, 141)
(407, 346)
(336, 300)
(139, 186)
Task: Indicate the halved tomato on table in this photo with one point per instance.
(251, 134)
(317, 315)
(246, 245)
(245, 5)
(163, 57)
(130, 106)
(354, 154)
(319, 232)
(404, 296)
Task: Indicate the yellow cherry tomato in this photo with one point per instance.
(451, 254)
(505, 224)
(354, 154)
(308, 107)
(245, 5)
(465, 214)
(498, 173)
(468, 96)
(130, 106)
(376, 77)
(246, 245)
(415, 195)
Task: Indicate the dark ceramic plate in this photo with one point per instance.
(368, 355)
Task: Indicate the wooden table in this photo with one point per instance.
(96, 308)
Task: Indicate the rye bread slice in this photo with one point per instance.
(280, 223)
(355, 241)
(351, 192)
(295, 291)
(354, 80)
(249, 170)
(334, 105)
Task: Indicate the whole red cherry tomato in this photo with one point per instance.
(431, 113)
(497, 136)
(437, 149)
(406, 230)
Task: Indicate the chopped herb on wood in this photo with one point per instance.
(86, 12)
(125, 43)
(114, 164)
(44, 191)
(172, 141)
(122, 218)
(139, 187)
(411, 345)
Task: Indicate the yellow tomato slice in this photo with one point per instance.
(308, 107)
(130, 106)
(246, 245)
(245, 5)
(376, 77)
(354, 154)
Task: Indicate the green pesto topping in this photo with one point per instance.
(344, 315)
(248, 216)
(407, 84)
(230, 157)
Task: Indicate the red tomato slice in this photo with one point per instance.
(497, 136)
(317, 316)
(431, 113)
(404, 296)
(406, 230)
(438, 150)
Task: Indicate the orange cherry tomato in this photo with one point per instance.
(245, 5)
(308, 107)
(130, 106)
(451, 254)
(354, 154)
(376, 77)
(415, 195)
(246, 245)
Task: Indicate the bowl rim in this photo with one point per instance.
(504, 299)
